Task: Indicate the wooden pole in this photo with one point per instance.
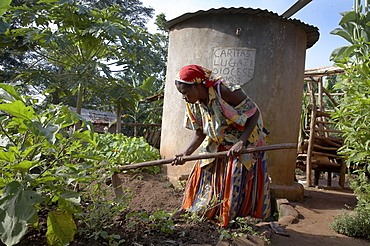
(343, 170)
(119, 119)
(208, 156)
(116, 182)
(312, 136)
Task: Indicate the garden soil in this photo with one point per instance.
(153, 193)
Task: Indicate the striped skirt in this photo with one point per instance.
(225, 189)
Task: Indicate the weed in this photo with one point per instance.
(158, 221)
(240, 227)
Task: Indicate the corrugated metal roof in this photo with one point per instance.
(311, 31)
(95, 116)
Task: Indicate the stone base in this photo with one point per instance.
(294, 192)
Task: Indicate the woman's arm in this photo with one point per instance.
(234, 98)
(249, 126)
(198, 138)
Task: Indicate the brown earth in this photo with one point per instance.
(153, 193)
(316, 211)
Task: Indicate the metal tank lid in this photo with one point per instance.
(311, 31)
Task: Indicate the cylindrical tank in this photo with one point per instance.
(260, 50)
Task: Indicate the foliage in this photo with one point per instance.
(117, 150)
(158, 221)
(61, 228)
(141, 110)
(241, 227)
(46, 166)
(353, 112)
(133, 10)
(17, 210)
(91, 52)
(361, 187)
(40, 164)
(97, 218)
(82, 44)
(3, 6)
(354, 224)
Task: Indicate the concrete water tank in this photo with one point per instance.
(258, 49)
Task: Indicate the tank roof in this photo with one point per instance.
(311, 31)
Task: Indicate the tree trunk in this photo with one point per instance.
(79, 105)
(118, 119)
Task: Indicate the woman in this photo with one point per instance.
(224, 118)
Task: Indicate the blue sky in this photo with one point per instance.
(324, 14)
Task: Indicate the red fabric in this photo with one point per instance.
(196, 74)
(191, 73)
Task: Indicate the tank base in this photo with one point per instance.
(293, 192)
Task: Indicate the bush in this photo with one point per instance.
(47, 168)
(41, 162)
(116, 150)
(354, 224)
(353, 114)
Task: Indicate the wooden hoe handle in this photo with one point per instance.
(116, 182)
(208, 156)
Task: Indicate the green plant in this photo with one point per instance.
(47, 166)
(229, 234)
(240, 227)
(116, 150)
(198, 214)
(353, 113)
(181, 185)
(97, 218)
(361, 187)
(158, 221)
(353, 224)
(41, 167)
(74, 46)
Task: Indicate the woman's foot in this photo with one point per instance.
(180, 213)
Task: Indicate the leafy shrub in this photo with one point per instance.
(353, 114)
(353, 111)
(96, 221)
(41, 165)
(117, 150)
(159, 221)
(354, 224)
(46, 165)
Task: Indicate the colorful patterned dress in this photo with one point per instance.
(222, 189)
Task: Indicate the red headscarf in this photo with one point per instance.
(196, 74)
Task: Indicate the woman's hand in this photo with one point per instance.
(178, 160)
(236, 150)
(198, 138)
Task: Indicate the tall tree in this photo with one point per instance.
(84, 42)
(73, 50)
(132, 10)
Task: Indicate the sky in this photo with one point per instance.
(323, 14)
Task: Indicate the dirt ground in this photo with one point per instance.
(152, 193)
(316, 211)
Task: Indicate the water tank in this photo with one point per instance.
(258, 49)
